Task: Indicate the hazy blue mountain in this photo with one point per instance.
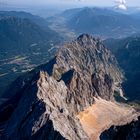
(101, 22)
(23, 45)
(127, 52)
(34, 18)
(136, 14)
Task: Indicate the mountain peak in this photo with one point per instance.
(88, 54)
(85, 37)
(83, 72)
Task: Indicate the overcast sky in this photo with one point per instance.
(69, 2)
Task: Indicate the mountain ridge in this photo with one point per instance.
(102, 22)
(58, 91)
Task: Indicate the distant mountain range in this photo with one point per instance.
(20, 14)
(127, 52)
(102, 22)
(25, 41)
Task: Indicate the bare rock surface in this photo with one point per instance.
(103, 114)
(46, 101)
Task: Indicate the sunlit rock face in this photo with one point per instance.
(103, 114)
(49, 104)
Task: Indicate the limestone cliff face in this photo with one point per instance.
(50, 97)
(88, 62)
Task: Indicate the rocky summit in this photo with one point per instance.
(59, 100)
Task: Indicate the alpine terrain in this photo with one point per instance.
(25, 42)
(70, 97)
(127, 52)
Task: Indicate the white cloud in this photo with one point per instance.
(121, 4)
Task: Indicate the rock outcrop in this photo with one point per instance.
(46, 102)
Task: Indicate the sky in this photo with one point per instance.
(68, 2)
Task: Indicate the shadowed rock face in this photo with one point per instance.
(53, 94)
(126, 132)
